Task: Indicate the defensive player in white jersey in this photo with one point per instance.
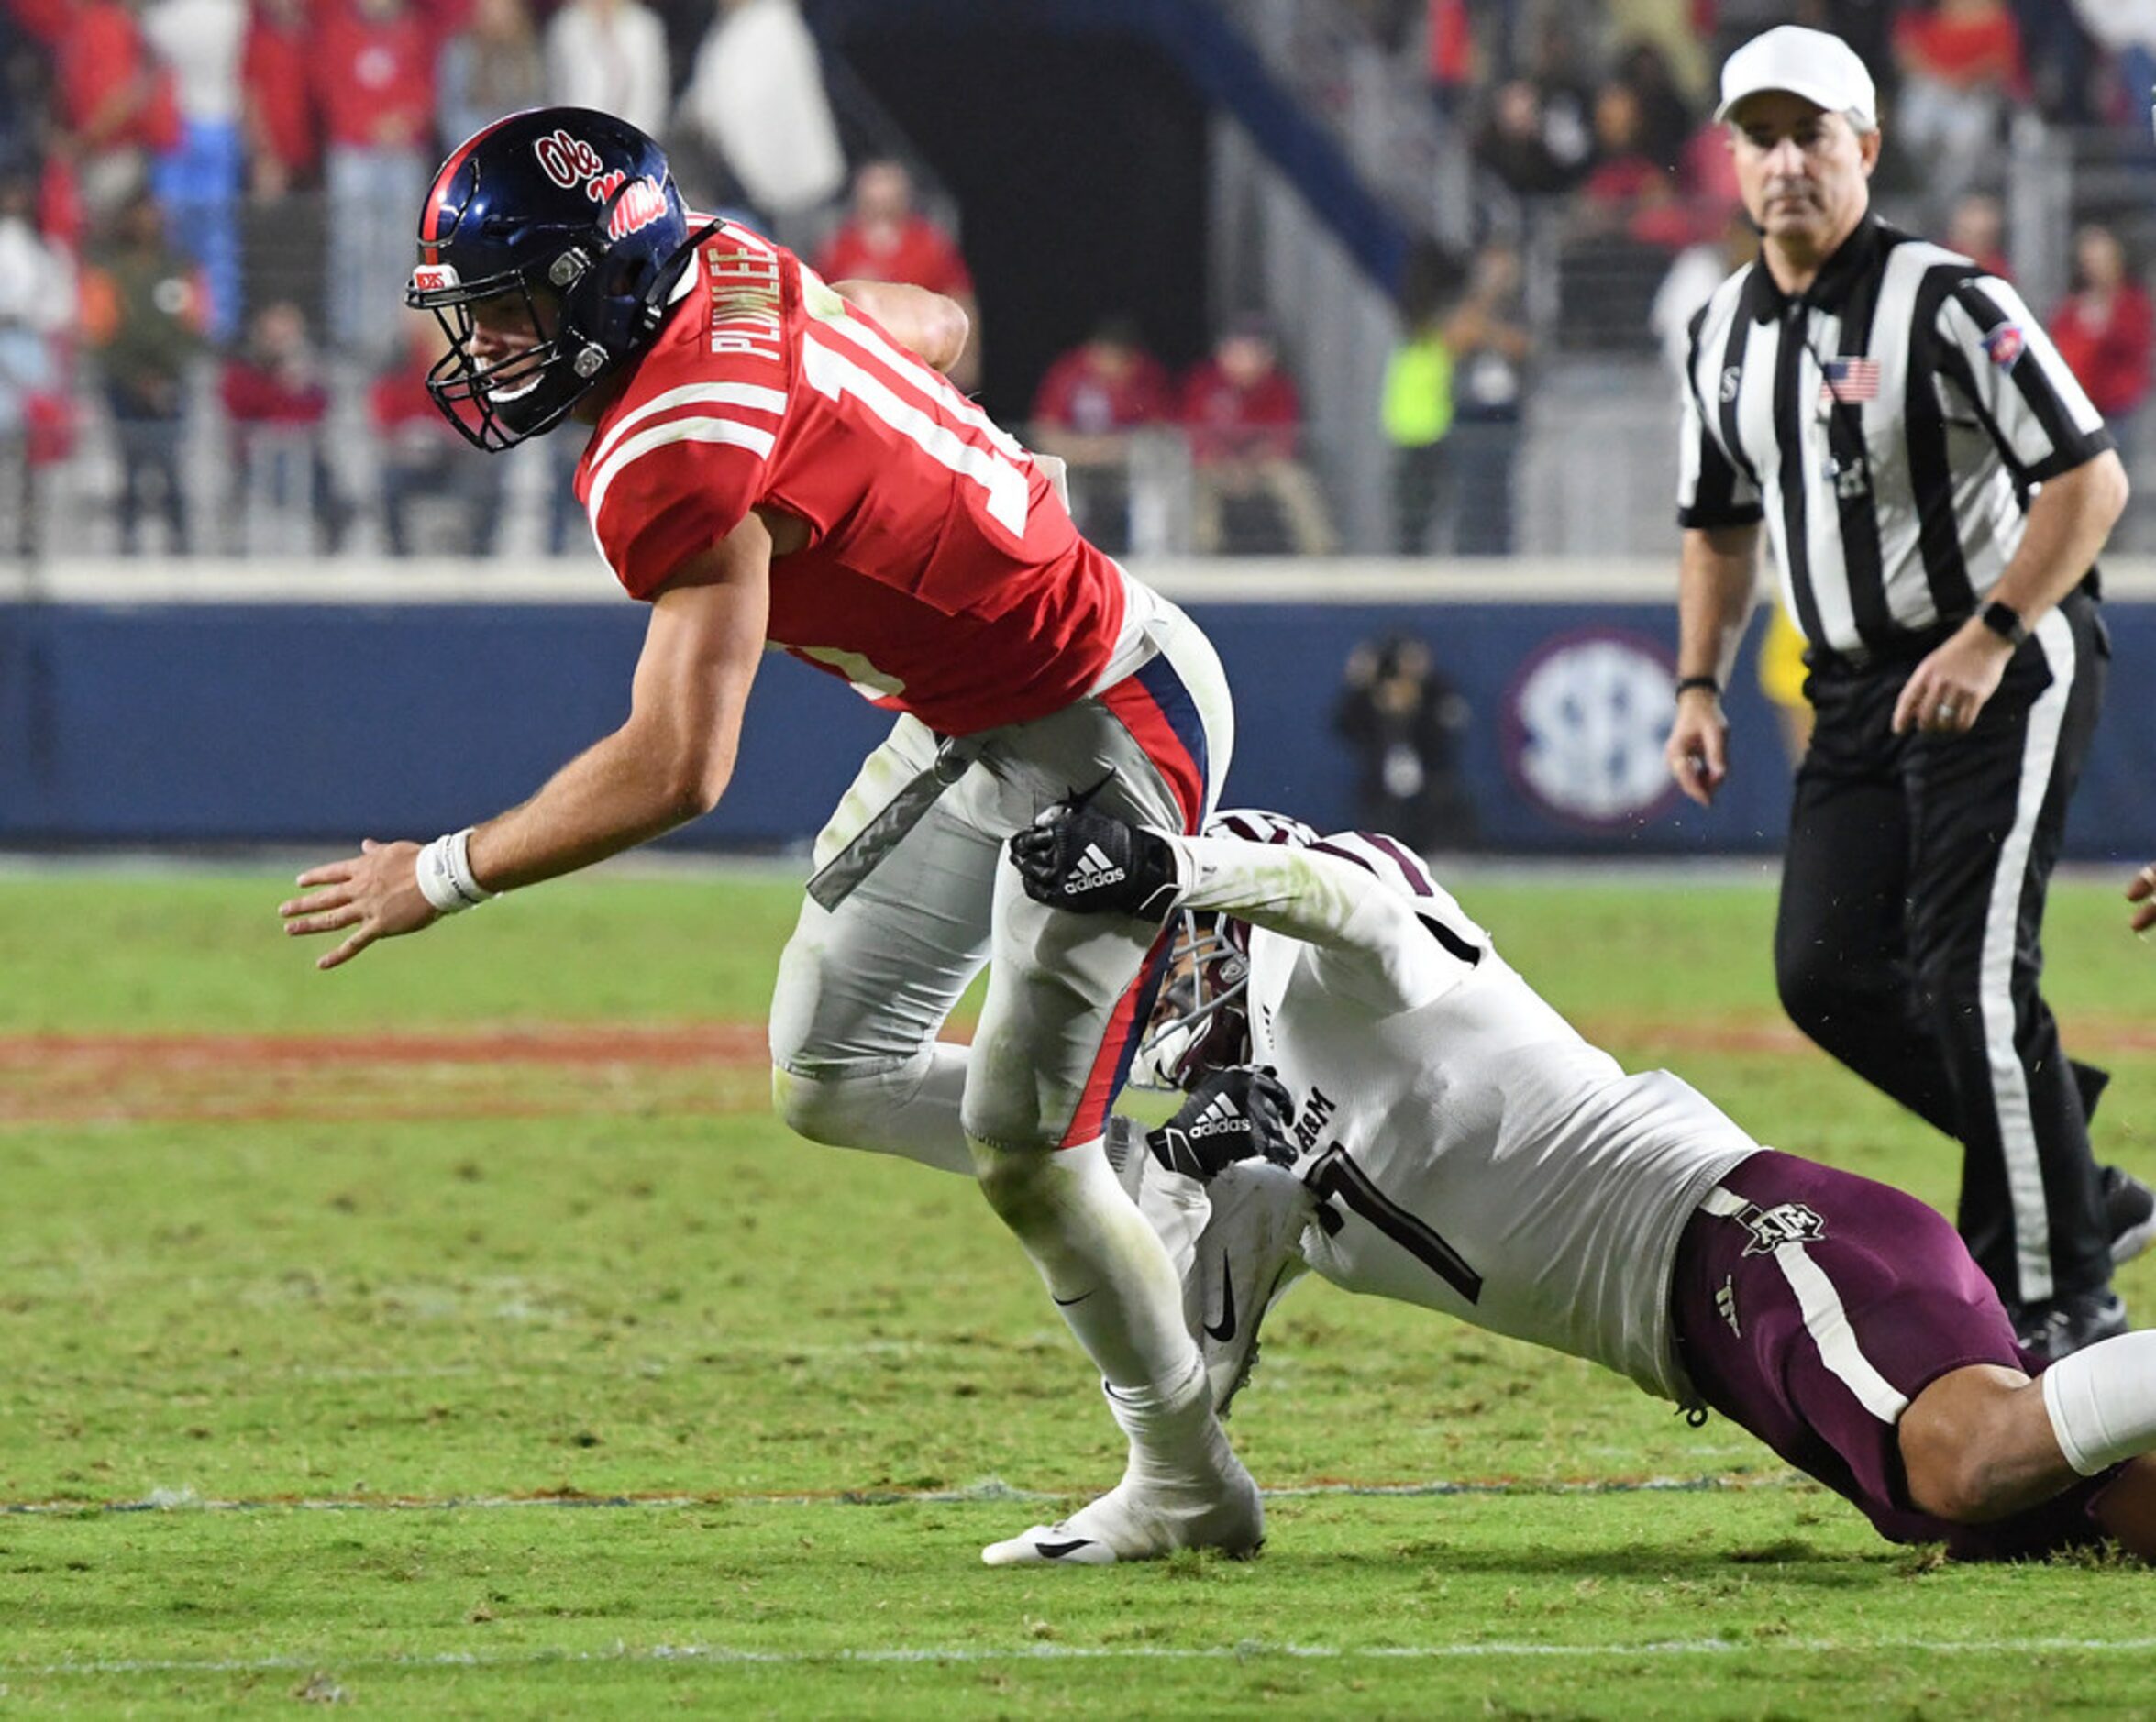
(776, 463)
(1455, 1143)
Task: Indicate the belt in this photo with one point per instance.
(1908, 649)
(1902, 653)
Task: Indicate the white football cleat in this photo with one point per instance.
(1184, 1488)
(1139, 1522)
(1247, 1257)
(1048, 1545)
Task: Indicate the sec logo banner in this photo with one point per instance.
(1584, 724)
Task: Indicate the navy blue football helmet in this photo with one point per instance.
(571, 217)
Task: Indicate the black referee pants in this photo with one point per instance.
(1909, 939)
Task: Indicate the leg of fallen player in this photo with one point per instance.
(1984, 1443)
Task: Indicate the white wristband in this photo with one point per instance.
(445, 877)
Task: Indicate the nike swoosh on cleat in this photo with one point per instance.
(1056, 1551)
(1064, 1302)
(1226, 1331)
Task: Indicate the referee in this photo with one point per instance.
(1937, 487)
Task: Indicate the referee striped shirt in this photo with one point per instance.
(1888, 424)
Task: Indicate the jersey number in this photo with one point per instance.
(1004, 483)
(1334, 1174)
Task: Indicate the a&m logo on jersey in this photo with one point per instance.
(569, 161)
(1849, 380)
(1787, 1222)
(2003, 345)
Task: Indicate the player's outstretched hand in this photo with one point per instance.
(2142, 891)
(1241, 1113)
(372, 895)
(1073, 856)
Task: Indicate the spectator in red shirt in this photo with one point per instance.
(283, 125)
(277, 401)
(2105, 330)
(374, 67)
(1960, 61)
(421, 455)
(116, 103)
(886, 238)
(1629, 192)
(1244, 416)
(1090, 408)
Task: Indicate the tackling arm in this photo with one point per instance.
(1373, 946)
(668, 764)
(1372, 943)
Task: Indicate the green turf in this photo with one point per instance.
(792, 1343)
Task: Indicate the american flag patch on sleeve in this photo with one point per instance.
(1849, 380)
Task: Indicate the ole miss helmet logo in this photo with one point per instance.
(570, 161)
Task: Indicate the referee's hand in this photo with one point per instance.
(1699, 749)
(2143, 892)
(1945, 693)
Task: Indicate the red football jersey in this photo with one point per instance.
(942, 576)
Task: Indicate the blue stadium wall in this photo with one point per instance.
(181, 712)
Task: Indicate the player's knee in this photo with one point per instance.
(1013, 1121)
(1951, 1481)
(1018, 1182)
(825, 1105)
(1972, 1450)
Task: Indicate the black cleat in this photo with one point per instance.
(2130, 1214)
(2057, 1326)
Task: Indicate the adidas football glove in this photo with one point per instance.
(1074, 857)
(1240, 1114)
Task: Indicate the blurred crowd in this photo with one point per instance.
(200, 200)
(1590, 130)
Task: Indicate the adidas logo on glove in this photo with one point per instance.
(1220, 1120)
(1093, 871)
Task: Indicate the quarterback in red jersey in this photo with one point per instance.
(776, 460)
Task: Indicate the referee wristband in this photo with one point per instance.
(444, 879)
(1712, 684)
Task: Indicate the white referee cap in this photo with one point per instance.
(1822, 69)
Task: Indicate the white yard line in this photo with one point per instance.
(184, 1500)
(1252, 1651)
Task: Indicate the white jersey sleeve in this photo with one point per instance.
(1382, 931)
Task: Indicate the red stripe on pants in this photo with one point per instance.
(1139, 713)
(1109, 1063)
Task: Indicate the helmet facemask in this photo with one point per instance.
(1201, 1022)
(495, 405)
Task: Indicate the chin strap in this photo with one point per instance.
(653, 311)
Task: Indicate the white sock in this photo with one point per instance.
(2101, 1401)
(1109, 1275)
(1174, 1418)
(912, 1111)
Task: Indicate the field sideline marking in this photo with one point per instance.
(1248, 1651)
(993, 1490)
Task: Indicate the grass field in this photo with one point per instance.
(456, 1335)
